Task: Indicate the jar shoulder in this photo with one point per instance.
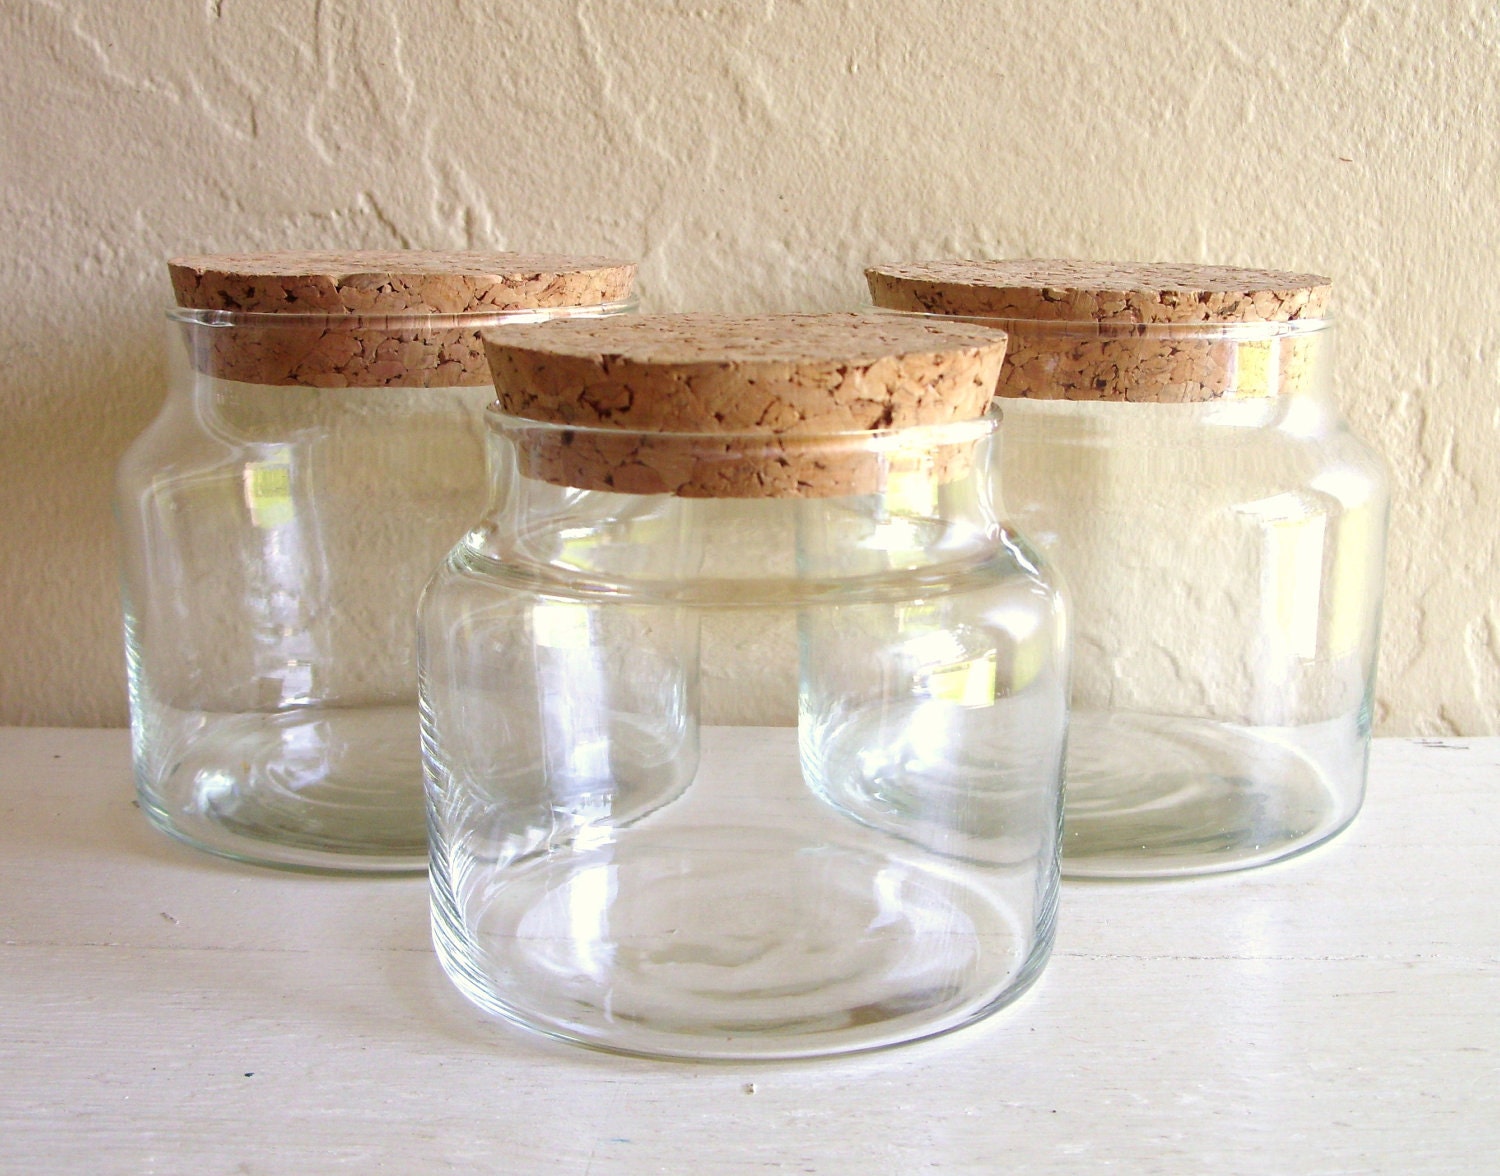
(476, 570)
(1186, 462)
(176, 442)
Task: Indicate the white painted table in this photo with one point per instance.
(166, 1012)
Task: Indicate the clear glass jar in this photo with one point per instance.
(276, 537)
(742, 764)
(1222, 533)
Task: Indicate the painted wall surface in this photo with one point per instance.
(752, 156)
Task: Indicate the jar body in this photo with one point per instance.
(276, 538)
(858, 848)
(1226, 561)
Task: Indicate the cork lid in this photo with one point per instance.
(1095, 291)
(370, 319)
(411, 282)
(782, 385)
(1157, 333)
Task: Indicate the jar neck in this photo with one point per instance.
(866, 504)
(1230, 363)
(248, 379)
(1308, 413)
(355, 349)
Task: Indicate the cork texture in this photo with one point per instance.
(739, 406)
(354, 311)
(1134, 332)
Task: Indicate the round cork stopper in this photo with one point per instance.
(1097, 291)
(790, 394)
(355, 310)
(1082, 347)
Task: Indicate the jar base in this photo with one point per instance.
(1157, 796)
(737, 930)
(316, 788)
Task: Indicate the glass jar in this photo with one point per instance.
(743, 713)
(1172, 443)
(320, 448)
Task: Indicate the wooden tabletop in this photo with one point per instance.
(161, 1011)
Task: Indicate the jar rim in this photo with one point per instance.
(397, 321)
(942, 433)
(1109, 329)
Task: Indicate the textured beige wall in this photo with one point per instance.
(752, 156)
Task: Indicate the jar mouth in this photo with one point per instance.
(404, 321)
(1238, 332)
(739, 464)
(904, 437)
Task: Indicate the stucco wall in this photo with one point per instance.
(752, 156)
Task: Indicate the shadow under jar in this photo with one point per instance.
(320, 448)
(1172, 443)
(848, 841)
